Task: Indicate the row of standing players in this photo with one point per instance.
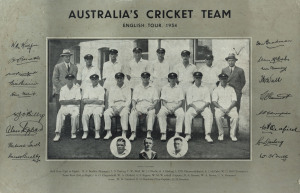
(226, 100)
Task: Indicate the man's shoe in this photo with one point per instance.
(233, 138)
(132, 137)
(163, 137)
(188, 137)
(208, 139)
(85, 134)
(57, 137)
(73, 136)
(108, 135)
(221, 137)
(97, 135)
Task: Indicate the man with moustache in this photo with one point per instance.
(144, 100)
(236, 77)
(159, 70)
(69, 99)
(136, 67)
(198, 100)
(93, 102)
(119, 104)
(59, 73)
(172, 99)
(225, 100)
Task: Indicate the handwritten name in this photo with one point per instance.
(29, 113)
(25, 156)
(273, 44)
(26, 128)
(23, 83)
(274, 156)
(270, 95)
(270, 128)
(21, 73)
(28, 145)
(273, 114)
(23, 60)
(269, 79)
(23, 94)
(281, 68)
(274, 59)
(269, 142)
(23, 45)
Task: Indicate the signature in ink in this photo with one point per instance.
(23, 45)
(270, 95)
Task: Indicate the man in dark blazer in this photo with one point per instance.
(147, 152)
(59, 73)
(236, 77)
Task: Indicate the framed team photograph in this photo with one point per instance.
(144, 92)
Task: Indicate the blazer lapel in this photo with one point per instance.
(227, 71)
(64, 67)
(144, 155)
(72, 67)
(230, 75)
(152, 155)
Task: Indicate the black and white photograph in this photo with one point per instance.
(118, 96)
(120, 147)
(149, 90)
(177, 147)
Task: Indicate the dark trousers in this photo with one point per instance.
(238, 104)
(57, 102)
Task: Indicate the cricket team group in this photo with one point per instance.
(149, 88)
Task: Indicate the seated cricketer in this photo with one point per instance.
(93, 102)
(198, 100)
(172, 99)
(144, 100)
(147, 152)
(119, 103)
(69, 100)
(224, 99)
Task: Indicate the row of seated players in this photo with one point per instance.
(144, 100)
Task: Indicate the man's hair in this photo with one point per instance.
(121, 140)
(147, 138)
(177, 138)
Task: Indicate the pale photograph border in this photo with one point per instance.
(153, 38)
